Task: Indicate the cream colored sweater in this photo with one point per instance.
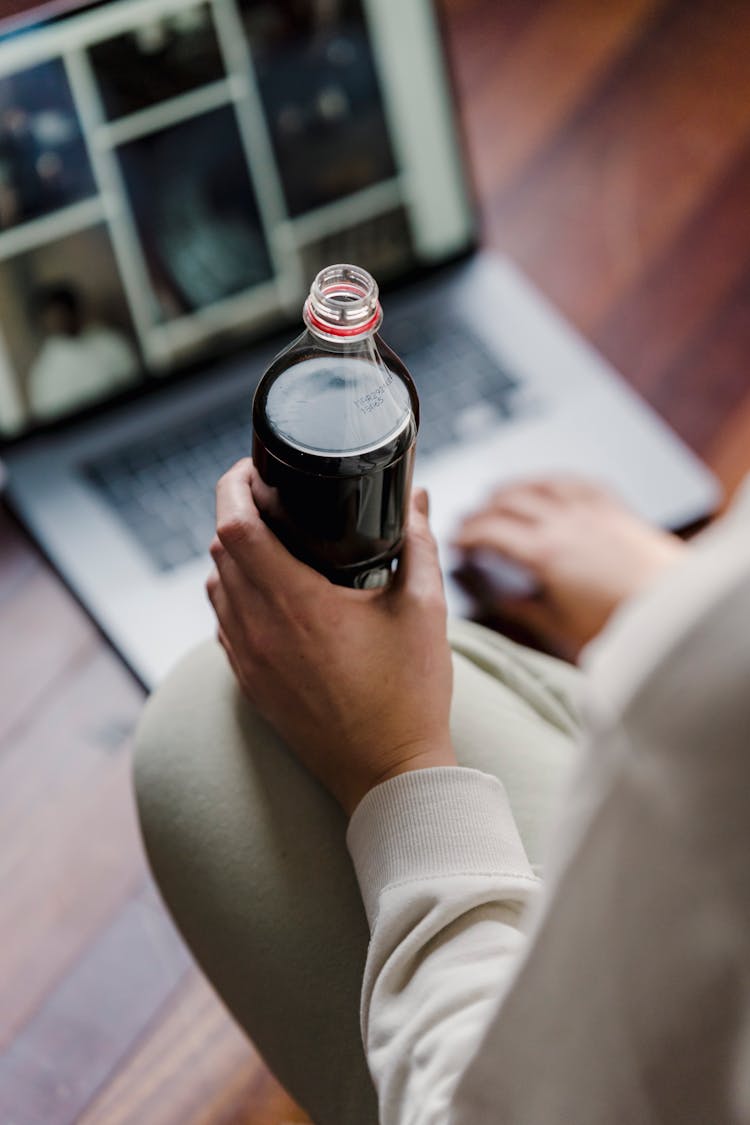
(619, 992)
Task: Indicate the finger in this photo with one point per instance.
(570, 488)
(515, 539)
(419, 571)
(221, 604)
(247, 538)
(420, 499)
(227, 646)
(238, 521)
(212, 583)
(231, 632)
(238, 586)
(528, 502)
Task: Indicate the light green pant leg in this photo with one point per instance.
(249, 851)
(515, 716)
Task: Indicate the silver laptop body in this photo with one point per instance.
(181, 214)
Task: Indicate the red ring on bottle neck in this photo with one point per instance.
(334, 330)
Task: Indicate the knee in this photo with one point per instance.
(208, 773)
(221, 802)
(180, 725)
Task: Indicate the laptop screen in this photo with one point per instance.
(174, 172)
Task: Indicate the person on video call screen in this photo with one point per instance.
(80, 359)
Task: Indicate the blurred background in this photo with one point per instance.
(610, 145)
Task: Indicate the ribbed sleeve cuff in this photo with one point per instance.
(430, 823)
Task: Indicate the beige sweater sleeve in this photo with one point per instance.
(444, 877)
(621, 996)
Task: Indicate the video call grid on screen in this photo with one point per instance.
(174, 171)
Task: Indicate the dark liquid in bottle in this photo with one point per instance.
(338, 504)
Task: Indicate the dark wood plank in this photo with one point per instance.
(547, 69)
(70, 853)
(228, 1082)
(18, 560)
(42, 634)
(476, 56)
(656, 326)
(704, 388)
(87, 1025)
(13, 7)
(603, 202)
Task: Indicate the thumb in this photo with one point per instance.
(419, 568)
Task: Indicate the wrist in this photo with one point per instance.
(419, 755)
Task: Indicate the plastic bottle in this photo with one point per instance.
(335, 420)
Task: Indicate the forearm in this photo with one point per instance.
(628, 1001)
(444, 877)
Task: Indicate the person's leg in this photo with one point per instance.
(250, 856)
(515, 715)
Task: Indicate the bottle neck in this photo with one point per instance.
(342, 337)
(343, 305)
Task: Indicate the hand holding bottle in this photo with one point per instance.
(357, 682)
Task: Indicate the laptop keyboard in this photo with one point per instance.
(463, 391)
(163, 487)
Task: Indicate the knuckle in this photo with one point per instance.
(232, 531)
(262, 656)
(216, 550)
(429, 598)
(257, 648)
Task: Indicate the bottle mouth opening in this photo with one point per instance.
(343, 302)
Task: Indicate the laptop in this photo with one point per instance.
(173, 173)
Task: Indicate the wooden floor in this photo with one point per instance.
(611, 144)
